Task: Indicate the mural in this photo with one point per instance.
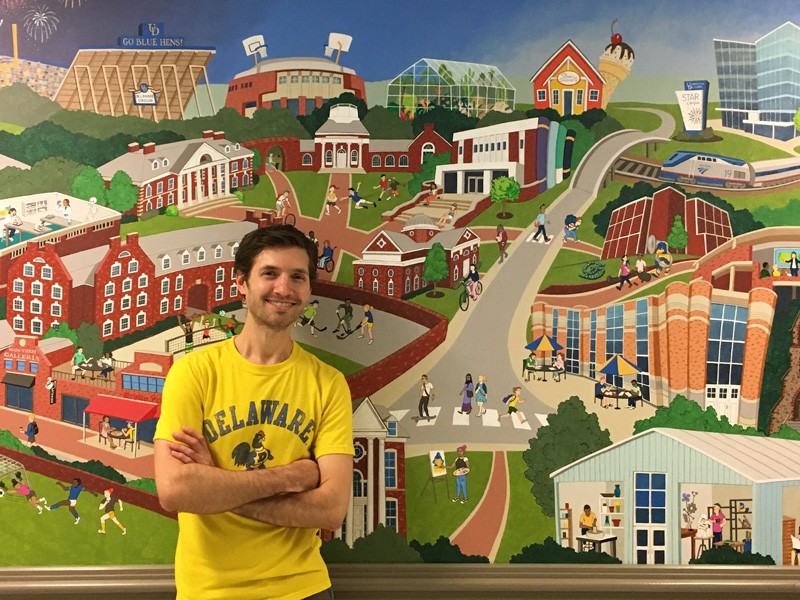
(557, 264)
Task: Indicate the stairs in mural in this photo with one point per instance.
(441, 205)
(194, 210)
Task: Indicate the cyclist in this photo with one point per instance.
(471, 281)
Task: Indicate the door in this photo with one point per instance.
(451, 183)
(19, 397)
(567, 102)
(650, 519)
(725, 400)
(475, 184)
(72, 408)
(359, 521)
(465, 266)
(341, 158)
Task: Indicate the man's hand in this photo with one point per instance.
(192, 448)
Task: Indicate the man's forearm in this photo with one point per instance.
(312, 509)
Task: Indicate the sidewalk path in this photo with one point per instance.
(482, 532)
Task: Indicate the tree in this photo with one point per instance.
(63, 331)
(503, 189)
(383, 545)
(551, 552)
(797, 120)
(257, 160)
(122, 194)
(571, 433)
(48, 175)
(89, 339)
(90, 183)
(678, 238)
(427, 171)
(435, 267)
(683, 413)
(387, 125)
(446, 121)
(444, 551)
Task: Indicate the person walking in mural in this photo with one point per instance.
(21, 486)
(794, 265)
(718, 521)
(426, 394)
(313, 237)
(511, 401)
(540, 222)
(271, 162)
(383, 186)
(31, 430)
(481, 390)
(571, 224)
(502, 241)
(663, 259)
(641, 266)
(367, 323)
(344, 312)
(624, 273)
(393, 185)
(74, 491)
(253, 533)
(460, 468)
(108, 503)
(467, 393)
(331, 199)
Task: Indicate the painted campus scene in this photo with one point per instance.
(558, 266)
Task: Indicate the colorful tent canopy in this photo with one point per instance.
(618, 365)
(134, 411)
(544, 343)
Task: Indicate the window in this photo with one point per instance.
(219, 293)
(34, 367)
(354, 157)
(391, 426)
(555, 328)
(36, 307)
(166, 263)
(594, 95)
(573, 342)
(592, 343)
(391, 513)
(218, 251)
(390, 468)
(56, 292)
(36, 288)
(328, 157)
(165, 285)
(19, 324)
(47, 272)
(133, 266)
(541, 95)
(108, 290)
(141, 299)
(108, 328)
(234, 248)
(307, 160)
(142, 281)
(555, 97)
(315, 79)
(390, 288)
(220, 275)
(375, 286)
(326, 79)
(201, 255)
(171, 185)
(18, 304)
(36, 326)
(27, 270)
(233, 292)
(376, 161)
(127, 284)
(160, 187)
(177, 303)
(143, 383)
(108, 307)
(643, 347)
(403, 160)
(579, 99)
(155, 165)
(179, 283)
(337, 80)
(235, 165)
(125, 303)
(19, 286)
(305, 79)
(389, 160)
(185, 257)
(614, 338)
(163, 306)
(295, 79)
(282, 79)
(141, 319)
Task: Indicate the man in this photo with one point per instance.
(383, 185)
(636, 394)
(31, 431)
(327, 254)
(252, 533)
(345, 313)
(511, 402)
(282, 204)
(357, 200)
(641, 265)
(600, 389)
(11, 222)
(794, 265)
(587, 520)
(107, 503)
(367, 323)
(425, 395)
(540, 222)
(393, 184)
(78, 358)
(74, 491)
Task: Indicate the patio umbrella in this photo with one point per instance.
(618, 365)
(544, 343)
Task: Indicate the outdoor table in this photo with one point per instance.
(597, 541)
(117, 434)
(545, 369)
(618, 393)
(91, 365)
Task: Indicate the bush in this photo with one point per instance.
(171, 211)
(592, 270)
(725, 555)
(144, 484)
(444, 551)
(149, 214)
(95, 467)
(551, 552)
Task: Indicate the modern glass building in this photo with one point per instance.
(759, 83)
(469, 87)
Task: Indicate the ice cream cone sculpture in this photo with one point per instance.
(615, 64)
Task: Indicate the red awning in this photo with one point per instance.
(134, 411)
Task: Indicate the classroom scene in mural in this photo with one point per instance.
(557, 267)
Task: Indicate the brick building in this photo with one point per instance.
(568, 83)
(392, 263)
(184, 173)
(640, 225)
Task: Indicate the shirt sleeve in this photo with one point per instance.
(181, 401)
(335, 429)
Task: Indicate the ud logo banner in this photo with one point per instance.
(145, 95)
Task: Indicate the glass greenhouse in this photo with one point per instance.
(472, 88)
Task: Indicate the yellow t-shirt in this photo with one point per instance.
(304, 410)
(587, 521)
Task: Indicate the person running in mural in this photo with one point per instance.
(460, 468)
(331, 199)
(74, 491)
(358, 201)
(344, 312)
(467, 393)
(108, 503)
(426, 394)
(511, 401)
(571, 224)
(383, 185)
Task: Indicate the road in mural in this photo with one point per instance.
(558, 264)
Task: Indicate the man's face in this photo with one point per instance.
(588, 511)
(278, 287)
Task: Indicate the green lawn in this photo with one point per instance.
(346, 366)
(163, 224)
(11, 128)
(566, 266)
(658, 287)
(775, 216)
(261, 195)
(731, 144)
(447, 305)
(633, 119)
(368, 219)
(345, 273)
(586, 232)
(524, 212)
(428, 519)
(52, 538)
(311, 189)
(526, 523)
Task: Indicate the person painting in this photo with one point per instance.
(718, 521)
(588, 520)
(460, 468)
(252, 533)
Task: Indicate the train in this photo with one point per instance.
(704, 168)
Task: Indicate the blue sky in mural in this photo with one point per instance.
(388, 36)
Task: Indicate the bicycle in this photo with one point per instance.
(463, 300)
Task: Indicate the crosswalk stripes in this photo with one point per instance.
(434, 412)
(490, 418)
(399, 414)
(540, 240)
(460, 419)
(542, 418)
(518, 424)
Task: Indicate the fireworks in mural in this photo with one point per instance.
(40, 23)
(11, 4)
(71, 3)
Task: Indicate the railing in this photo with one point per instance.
(93, 377)
(178, 344)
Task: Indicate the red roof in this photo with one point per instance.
(134, 411)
